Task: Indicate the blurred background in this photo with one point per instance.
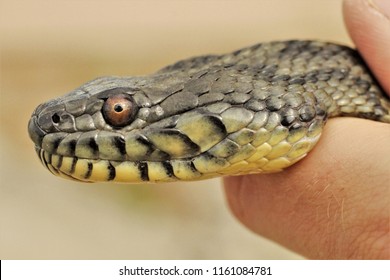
(51, 47)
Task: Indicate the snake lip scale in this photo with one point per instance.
(259, 109)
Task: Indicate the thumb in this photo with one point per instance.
(368, 23)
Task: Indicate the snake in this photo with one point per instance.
(259, 109)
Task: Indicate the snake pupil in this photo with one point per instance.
(118, 108)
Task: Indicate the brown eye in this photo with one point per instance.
(119, 110)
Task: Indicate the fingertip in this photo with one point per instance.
(368, 23)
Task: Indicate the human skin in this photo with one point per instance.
(335, 203)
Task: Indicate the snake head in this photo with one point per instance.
(77, 111)
(147, 124)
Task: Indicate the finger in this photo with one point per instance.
(332, 204)
(368, 23)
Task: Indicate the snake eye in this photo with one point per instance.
(119, 110)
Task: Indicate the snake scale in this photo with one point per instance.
(258, 109)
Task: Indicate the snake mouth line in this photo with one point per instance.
(92, 170)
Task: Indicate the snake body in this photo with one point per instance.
(258, 109)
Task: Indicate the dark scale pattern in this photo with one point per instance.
(307, 113)
(289, 116)
(120, 144)
(92, 144)
(59, 164)
(72, 168)
(89, 171)
(54, 142)
(71, 147)
(111, 172)
(143, 169)
(274, 103)
(168, 168)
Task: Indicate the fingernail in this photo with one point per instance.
(382, 6)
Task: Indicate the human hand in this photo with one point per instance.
(334, 204)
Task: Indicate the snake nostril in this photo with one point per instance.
(55, 118)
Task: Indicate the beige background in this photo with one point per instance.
(50, 47)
